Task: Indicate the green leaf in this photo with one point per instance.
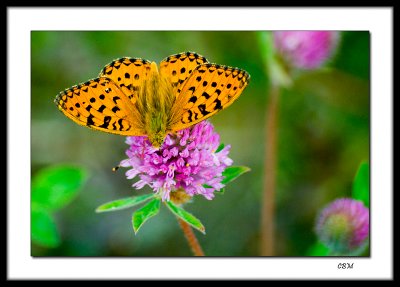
(265, 42)
(220, 192)
(43, 227)
(56, 186)
(123, 203)
(274, 65)
(318, 249)
(361, 184)
(233, 172)
(141, 215)
(220, 147)
(186, 216)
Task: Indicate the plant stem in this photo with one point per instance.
(191, 238)
(268, 200)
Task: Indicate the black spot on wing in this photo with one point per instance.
(190, 116)
(218, 105)
(89, 120)
(115, 99)
(204, 94)
(101, 109)
(106, 122)
(193, 99)
(121, 127)
(202, 109)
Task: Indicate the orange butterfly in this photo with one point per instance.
(133, 97)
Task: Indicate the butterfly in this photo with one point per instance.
(135, 97)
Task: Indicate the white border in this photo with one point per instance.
(22, 20)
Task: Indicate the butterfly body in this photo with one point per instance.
(154, 102)
(133, 97)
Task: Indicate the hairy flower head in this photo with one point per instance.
(343, 225)
(188, 161)
(306, 49)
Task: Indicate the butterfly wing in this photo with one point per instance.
(101, 105)
(177, 68)
(128, 73)
(209, 89)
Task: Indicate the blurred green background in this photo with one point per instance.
(323, 136)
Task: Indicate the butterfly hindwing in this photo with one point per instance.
(101, 105)
(128, 73)
(177, 68)
(209, 89)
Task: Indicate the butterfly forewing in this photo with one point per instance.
(100, 104)
(177, 68)
(209, 89)
(128, 73)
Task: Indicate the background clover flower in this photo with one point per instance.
(186, 161)
(343, 225)
(306, 49)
